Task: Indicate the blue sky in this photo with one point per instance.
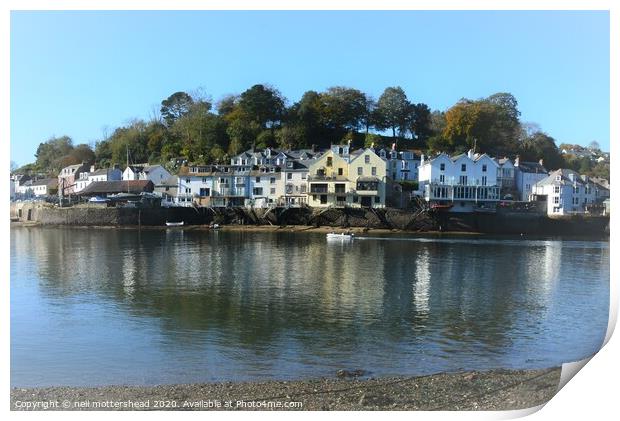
(75, 73)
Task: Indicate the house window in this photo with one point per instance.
(556, 189)
(303, 175)
(329, 161)
(257, 191)
(484, 180)
(377, 199)
(367, 159)
(204, 192)
(289, 176)
(188, 190)
(273, 190)
(272, 180)
(187, 180)
(556, 199)
(463, 180)
(484, 168)
(204, 180)
(442, 167)
(360, 171)
(340, 171)
(442, 178)
(258, 179)
(463, 167)
(373, 170)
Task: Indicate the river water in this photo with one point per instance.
(96, 307)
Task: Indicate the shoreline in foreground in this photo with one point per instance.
(473, 390)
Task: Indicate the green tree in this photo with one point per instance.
(50, 153)
(421, 122)
(343, 109)
(542, 146)
(175, 106)
(262, 105)
(393, 110)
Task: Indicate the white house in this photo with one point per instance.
(461, 183)
(155, 173)
(527, 174)
(267, 185)
(566, 192)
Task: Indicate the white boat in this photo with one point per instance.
(175, 224)
(340, 237)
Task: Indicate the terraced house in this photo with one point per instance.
(342, 178)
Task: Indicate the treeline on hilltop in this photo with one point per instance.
(192, 127)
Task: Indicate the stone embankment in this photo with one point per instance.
(413, 220)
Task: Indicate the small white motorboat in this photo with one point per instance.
(175, 224)
(340, 237)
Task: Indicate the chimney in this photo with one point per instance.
(470, 154)
(517, 160)
(92, 168)
(393, 146)
(541, 162)
(313, 148)
(422, 159)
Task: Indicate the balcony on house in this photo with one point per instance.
(367, 186)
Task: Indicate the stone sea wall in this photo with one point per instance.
(502, 222)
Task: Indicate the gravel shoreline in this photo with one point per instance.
(488, 390)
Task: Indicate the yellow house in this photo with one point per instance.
(340, 178)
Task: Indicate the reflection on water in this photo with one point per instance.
(92, 307)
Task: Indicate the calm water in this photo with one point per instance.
(96, 307)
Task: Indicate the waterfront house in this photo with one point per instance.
(68, 177)
(527, 174)
(169, 190)
(402, 165)
(567, 192)
(214, 185)
(463, 183)
(343, 178)
(266, 184)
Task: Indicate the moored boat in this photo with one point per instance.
(340, 237)
(175, 224)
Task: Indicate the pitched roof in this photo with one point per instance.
(120, 186)
(531, 167)
(49, 182)
(564, 175)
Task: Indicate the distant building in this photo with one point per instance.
(45, 187)
(154, 173)
(68, 177)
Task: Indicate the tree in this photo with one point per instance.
(290, 137)
(490, 125)
(262, 105)
(51, 152)
(594, 146)
(542, 146)
(227, 104)
(343, 109)
(421, 122)
(82, 153)
(393, 110)
(175, 106)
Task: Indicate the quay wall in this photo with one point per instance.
(502, 222)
